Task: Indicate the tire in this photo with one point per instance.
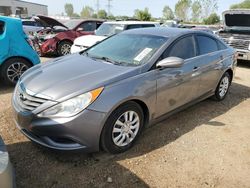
(223, 87)
(64, 48)
(12, 70)
(111, 139)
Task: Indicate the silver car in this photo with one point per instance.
(105, 96)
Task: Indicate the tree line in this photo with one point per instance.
(188, 11)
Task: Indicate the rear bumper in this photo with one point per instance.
(243, 54)
(81, 132)
(7, 177)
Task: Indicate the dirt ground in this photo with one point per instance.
(207, 145)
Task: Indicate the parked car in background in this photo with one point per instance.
(105, 96)
(7, 177)
(236, 31)
(58, 38)
(16, 52)
(107, 29)
(31, 26)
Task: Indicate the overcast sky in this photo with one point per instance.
(122, 7)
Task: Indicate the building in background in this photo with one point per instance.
(22, 8)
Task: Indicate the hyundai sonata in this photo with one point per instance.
(105, 96)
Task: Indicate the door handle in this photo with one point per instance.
(196, 69)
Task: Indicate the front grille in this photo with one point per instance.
(237, 41)
(27, 101)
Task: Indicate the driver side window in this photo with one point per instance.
(88, 26)
(183, 48)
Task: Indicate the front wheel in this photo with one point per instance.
(122, 128)
(223, 87)
(12, 70)
(64, 48)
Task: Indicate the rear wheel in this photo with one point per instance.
(223, 87)
(64, 48)
(122, 128)
(12, 70)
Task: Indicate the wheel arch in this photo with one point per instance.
(13, 57)
(230, 72)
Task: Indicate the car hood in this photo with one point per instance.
(72, 75)
(237, 19)
(48, 21)
(88, 40)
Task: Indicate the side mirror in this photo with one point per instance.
(170, 62)
(79, 29)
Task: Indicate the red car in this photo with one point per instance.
(58, 38)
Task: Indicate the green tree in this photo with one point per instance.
(212, 19)
(196, 11)
(182, 8)
(69, 9)
(87, 12)
(209, 7)
(75, 15)
(168, 14)
(243, 5)
(142, 15)
(102, 14)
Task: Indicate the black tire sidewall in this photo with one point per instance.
(106, 137)
(217, 95)
(6, 65)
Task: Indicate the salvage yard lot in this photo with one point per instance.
(207, 145)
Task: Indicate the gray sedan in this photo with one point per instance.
(105, 96)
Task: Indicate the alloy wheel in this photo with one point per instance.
(126, 128)
(65, 49)
(224, 85)
(15, 70)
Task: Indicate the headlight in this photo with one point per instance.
(72, 106)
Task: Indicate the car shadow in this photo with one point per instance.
(6, 89)
(39, 167)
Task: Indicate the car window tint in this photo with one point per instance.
(98, 24)
(134, 26)
(184, 48)
(148, 25)
(221, 45)
(88, 26)
(1, 27)
(28, 23)
(206, 45)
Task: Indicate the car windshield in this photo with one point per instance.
(72, 23)
(127, 49)
(108, 29)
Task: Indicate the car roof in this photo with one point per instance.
(162, 31)
(129, 22)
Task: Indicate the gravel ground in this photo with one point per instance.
(207, 145)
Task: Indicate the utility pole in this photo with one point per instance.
(97, 7)
(109, 7)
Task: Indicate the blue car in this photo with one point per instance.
(16, 51)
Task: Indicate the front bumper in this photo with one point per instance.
(7, 178)
(81, 132)
(49, 46)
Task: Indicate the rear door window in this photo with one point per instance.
(1, 27)
(206, 45)
(183, 48)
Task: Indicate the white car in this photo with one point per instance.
(107, 29)
(31, 26)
